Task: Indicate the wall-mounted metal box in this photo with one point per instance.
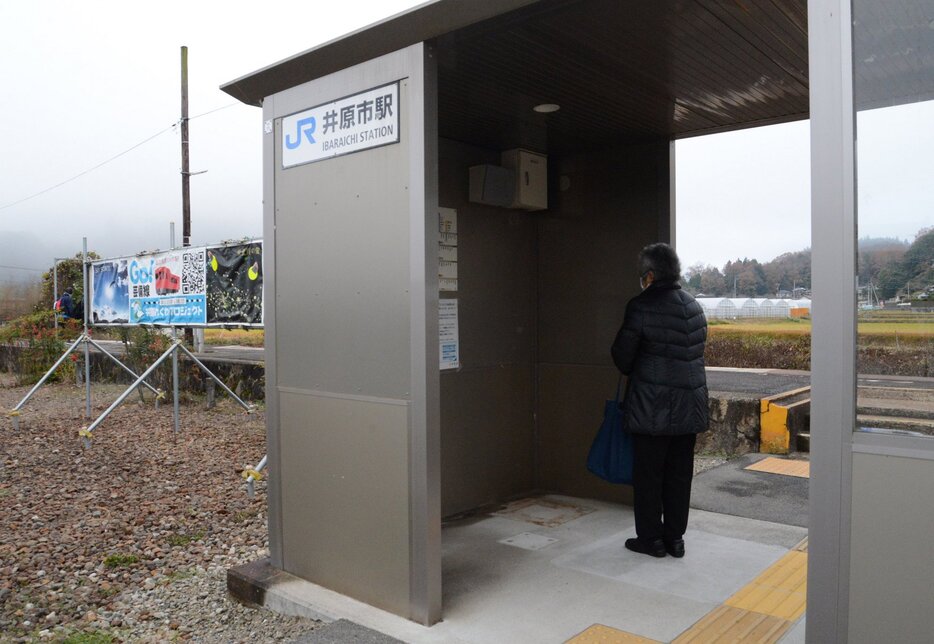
(492, 185)
(531, 176)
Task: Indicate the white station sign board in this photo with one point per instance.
(366, 120)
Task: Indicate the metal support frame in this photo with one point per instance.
(248, 407)
(253, 475)
(86, 339)
(175, 378)
(87, 433)
(172, 352)
(833, 339)
(87, 350)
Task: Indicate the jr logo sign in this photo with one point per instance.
(366, 120)
(306, 126)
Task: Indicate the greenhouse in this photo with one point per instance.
(725, 308)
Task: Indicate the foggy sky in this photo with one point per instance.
(86, 81)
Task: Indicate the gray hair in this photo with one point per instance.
(662, 260)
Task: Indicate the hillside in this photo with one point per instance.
(892, 265)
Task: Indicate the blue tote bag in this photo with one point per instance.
(610, 455)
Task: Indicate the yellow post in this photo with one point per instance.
(774, 436)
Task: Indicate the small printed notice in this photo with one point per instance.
(447, 333)
(447, 249)
(359, 122)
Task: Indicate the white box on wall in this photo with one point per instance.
(531, 174)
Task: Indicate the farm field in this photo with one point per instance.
(917, 325)
(238, 337)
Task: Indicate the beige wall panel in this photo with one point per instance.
(607, 207)
(590, 237)
(892, 550)
(487, 406)
(486, 444)
(342, 270)
(571, 410)
(345, 466)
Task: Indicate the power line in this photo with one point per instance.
(81, 174)
(113, 158)
(218, 109)
(22, 268)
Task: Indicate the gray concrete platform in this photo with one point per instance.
(554, 588)
(732, 489)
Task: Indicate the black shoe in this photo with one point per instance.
(675, 547)
(654, 548)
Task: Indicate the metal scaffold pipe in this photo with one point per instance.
(87, 433)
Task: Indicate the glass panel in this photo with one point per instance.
(893, 65)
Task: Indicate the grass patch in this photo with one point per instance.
(89, 637)
(184, 538)
(178, 575)
(238, 337)
(120, 560)
(242, 515)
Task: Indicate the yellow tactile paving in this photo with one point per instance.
(780, 591)
(600, 634)
(786, 466)
(729, 624)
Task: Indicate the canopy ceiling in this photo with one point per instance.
(621, 70)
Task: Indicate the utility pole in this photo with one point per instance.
(186, 175)
(186, 196)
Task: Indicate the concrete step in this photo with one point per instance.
(896, 393)
(918, 425)
(897, 408)
(804, 442)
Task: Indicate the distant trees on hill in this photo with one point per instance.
(912, 271)
(891, 265)
(749, 278)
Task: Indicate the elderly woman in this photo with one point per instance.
(660, 347)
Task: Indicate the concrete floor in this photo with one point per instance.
(544, 570)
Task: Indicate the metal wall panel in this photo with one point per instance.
(891, 552)
(612, 207)
(833, 335)
(354, 424)
(346, 495)
(570, 412)
(343, 272)
(487, 405)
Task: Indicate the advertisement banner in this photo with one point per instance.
(168, 288)
(195, 286)
(235, 284)
(110, 298)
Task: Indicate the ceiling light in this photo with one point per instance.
(547, 108)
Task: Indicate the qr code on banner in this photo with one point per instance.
(193, 272)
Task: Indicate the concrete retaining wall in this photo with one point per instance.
(734, 425)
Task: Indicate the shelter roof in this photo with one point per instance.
(622, 72)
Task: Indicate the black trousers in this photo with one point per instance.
(663, 467)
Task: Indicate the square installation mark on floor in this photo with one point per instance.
(548, 513)
(528, 541)
(714, 568)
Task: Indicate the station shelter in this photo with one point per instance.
(454, 199)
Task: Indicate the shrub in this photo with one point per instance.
(40, 344)
(143, 347)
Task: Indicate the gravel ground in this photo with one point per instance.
(129, 540)
(703, 463)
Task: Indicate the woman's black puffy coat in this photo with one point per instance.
(661, 348)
